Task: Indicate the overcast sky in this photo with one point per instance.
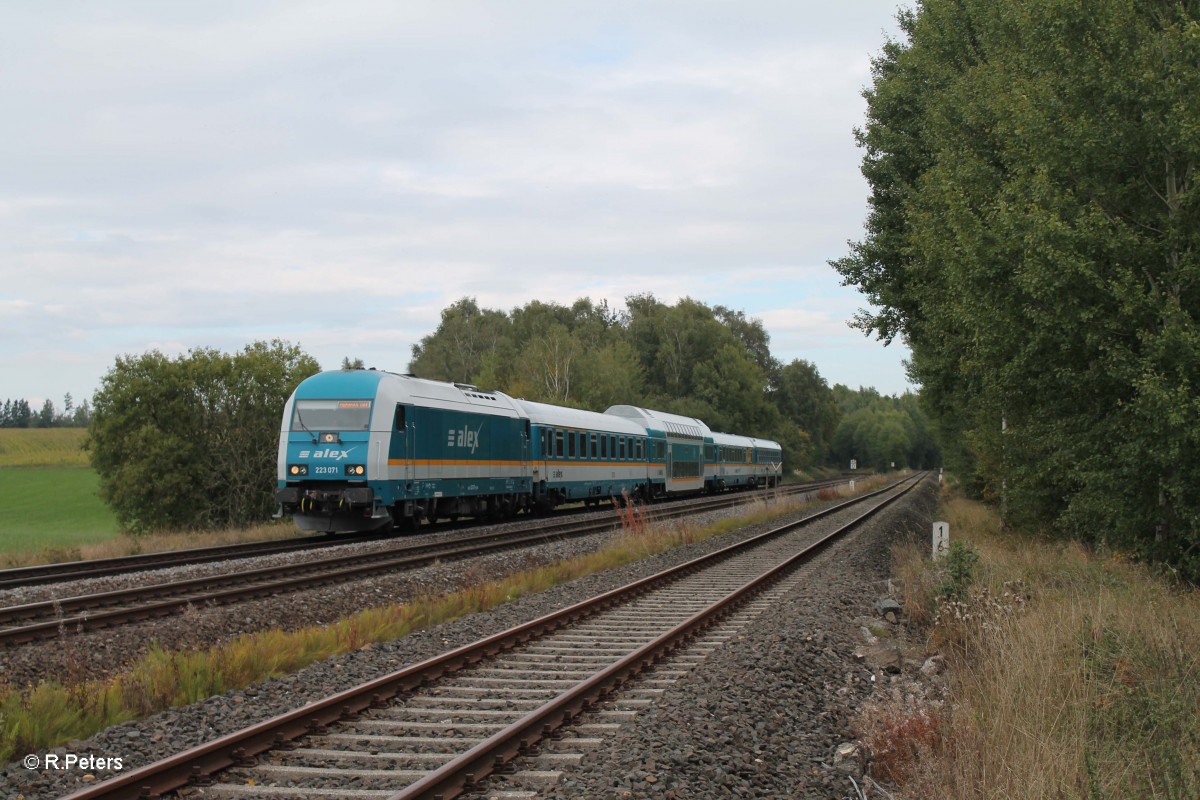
(207, 174)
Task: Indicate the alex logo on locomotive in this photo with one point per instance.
(464, 437)
(336, 455)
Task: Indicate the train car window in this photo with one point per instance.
(331, 415)
(622, 448)
(558, 443)
(399, 417)
(592, 450)
(612, 446)
(571, 436)
(641, 445)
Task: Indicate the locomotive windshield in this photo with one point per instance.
(331, 415)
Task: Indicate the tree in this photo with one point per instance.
(803, 396)
(18, 414)
(81, 417)
(881, 432)
(47, 416)
(355, 364)
(457, 349)
(190, 443)
(1033, 237)
(548, 367)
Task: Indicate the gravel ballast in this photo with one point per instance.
(757, 720)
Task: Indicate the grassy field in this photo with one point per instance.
(48, 509)
(49, 506)
(42, 447)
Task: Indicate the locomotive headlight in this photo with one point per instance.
(356, 470)
(298, 470)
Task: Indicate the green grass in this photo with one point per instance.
(43, 447)
(52, 508)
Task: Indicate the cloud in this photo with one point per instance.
(207, 174)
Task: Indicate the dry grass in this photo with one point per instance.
(125, 545)
(1071, 675)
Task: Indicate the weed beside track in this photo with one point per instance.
(1070, 673)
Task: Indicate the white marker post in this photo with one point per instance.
(941, 539)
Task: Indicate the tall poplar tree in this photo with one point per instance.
(1033, 237)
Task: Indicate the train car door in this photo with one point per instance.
(525, 441)
(401, 455)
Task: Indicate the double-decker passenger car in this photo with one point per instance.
(740, 462)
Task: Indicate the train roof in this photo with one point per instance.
(662, 421)
(562, 417)
(391, 387)
(341, 384)
(731, 440)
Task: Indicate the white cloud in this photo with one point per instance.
(186, 175)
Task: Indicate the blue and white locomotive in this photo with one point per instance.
(366, 449)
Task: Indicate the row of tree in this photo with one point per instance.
(688, 358)
(1034, 236)
(882, 432)
(19, 414)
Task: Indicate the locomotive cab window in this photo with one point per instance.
(331, 415)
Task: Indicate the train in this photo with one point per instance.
(366, 449)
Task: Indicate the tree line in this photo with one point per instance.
(19, 414)
(1033, 236)
(688, 358)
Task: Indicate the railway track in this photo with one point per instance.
(103, 567)
(50, 619)
(516, 706)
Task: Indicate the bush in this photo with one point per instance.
(190, 443)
